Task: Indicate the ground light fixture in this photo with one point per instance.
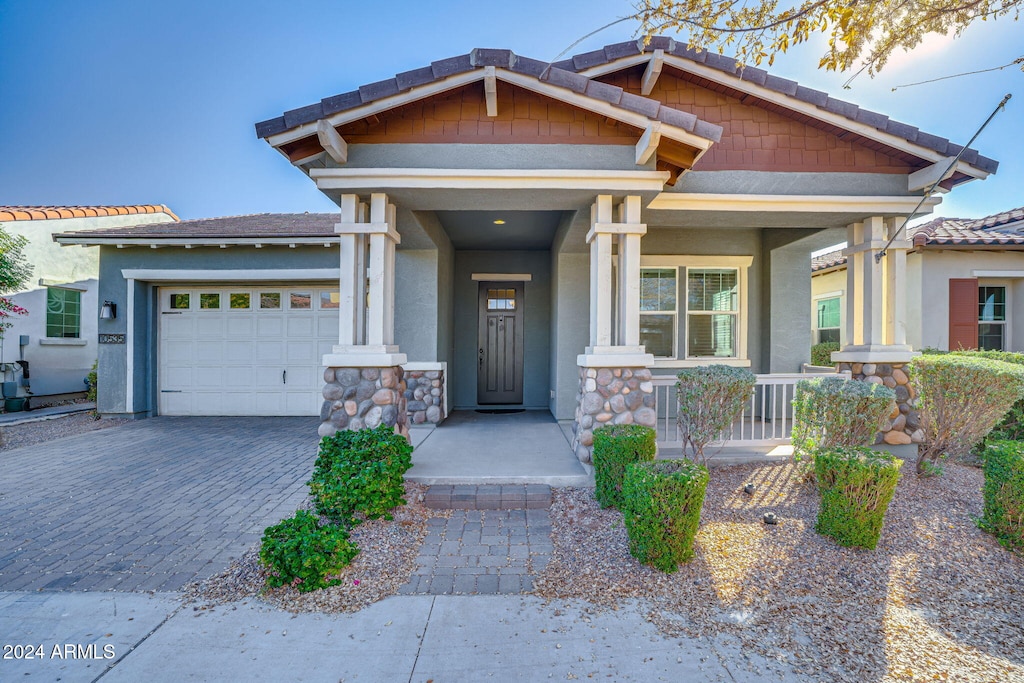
(108, 311)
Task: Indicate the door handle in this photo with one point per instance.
(481, 357)
(284, 377)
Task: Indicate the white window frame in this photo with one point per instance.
(742, 265)
(1007, 286)
(674, 313)
(838, 294)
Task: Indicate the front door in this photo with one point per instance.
(500, 344)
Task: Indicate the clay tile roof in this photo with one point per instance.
(1005, 228)
(554, 74)
(821, 100)
(826, 261)
(35, 213)
(224, 227)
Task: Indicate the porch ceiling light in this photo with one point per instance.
(499, 221)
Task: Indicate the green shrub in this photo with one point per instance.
(615, 448)
(359, 472)
(821, 354)
(856, 485)
(662, 504)
(90, 394)
(710, 398)
(960, 398)
(1004, 492)
(301, 553)
(831, 411)
(1011, 427)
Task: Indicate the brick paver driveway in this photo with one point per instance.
(150, 505)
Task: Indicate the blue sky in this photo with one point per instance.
(128, 102)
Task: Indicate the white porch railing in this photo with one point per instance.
(767, 420)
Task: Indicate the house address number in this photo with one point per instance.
(112, 339)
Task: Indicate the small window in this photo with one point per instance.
(991, 318)
(828, 319)
(658, 311)
(330, 299)
(270, 300)
(239, 300)
(712, 312)
(179, 301)
(209, 300)
(63, 313)
(501, 299)
(300, 300)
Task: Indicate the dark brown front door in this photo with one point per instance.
(500, 351)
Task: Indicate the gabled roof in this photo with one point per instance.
(605, 60)
(1005, 229)
(478, 60)
(36, 213)
(269, 227)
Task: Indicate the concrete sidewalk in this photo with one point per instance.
(404, 638)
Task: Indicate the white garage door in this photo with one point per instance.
(244, 350)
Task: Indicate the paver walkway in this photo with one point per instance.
(482, 552)
(150, 505)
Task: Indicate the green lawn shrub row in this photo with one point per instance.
(615, 448)
(663, 501)
(856, 485)
(830, 412)
(1004, 492)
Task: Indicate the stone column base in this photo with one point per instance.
(424, 393)
(903, 426)
(363, 397)
(611, 396)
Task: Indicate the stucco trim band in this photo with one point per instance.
(685, 201)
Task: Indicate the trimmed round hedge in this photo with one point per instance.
(856, 486)
(615, 448)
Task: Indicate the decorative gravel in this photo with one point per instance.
(937, 600)
(386, 561)
(31, 433)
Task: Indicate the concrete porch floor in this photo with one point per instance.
(511, 448)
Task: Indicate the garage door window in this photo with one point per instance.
(240, 300)
(179, 301)
(209, 301)
(329, 299)
(300, 300)
(270, 300)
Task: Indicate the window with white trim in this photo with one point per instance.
(991, 318)
(828, 319)
(693, 308)
(63, 313)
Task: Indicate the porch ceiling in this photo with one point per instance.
(519, 230)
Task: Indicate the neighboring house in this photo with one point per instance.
(965, 285)
(518, 234)
(61, 296)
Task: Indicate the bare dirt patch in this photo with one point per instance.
(937, 600)
(32, 433)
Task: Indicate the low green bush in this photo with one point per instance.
(821, 354)
(90, 379)
(299, 552)
(710, 398)
(615, 448)
(359, 472)
(856, 485)
(960, 398)
(829, 412)
(1011, 427)
(662, 504)
(1004, 492)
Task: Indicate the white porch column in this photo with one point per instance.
(366, 327)
(623, 348)
(895, 262)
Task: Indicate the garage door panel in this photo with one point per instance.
(230, 361)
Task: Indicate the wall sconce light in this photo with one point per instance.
(108, 311)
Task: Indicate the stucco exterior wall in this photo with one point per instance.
(537, 322)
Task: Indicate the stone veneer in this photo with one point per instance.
(363, 397)
(611, 396)
(424, 394)
(903, 426)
